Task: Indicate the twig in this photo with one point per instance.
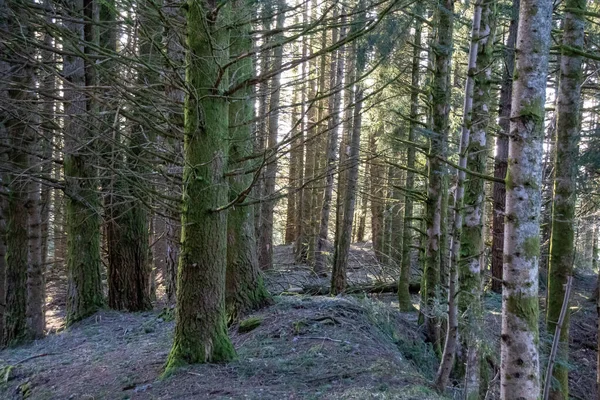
(320, 338)
(32, 357)
(561, 318)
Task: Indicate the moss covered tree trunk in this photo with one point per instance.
(441, 113)
(500, 159)
(562, 246)
(378, 183)
(519, 370)
(201, 327)
(472, 237)
(451, 341)
(244, 286)
(84, 291)
(173, 42)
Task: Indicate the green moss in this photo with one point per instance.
(525, 308)
(531, 247)
(249, 324)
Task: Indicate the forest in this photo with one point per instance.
(300, 199)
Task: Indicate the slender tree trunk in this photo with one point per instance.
(450, 345)
(265, 239)
(562, 246)
(472, 237)
(437, 152)
(294, 178)
(396, 211)
(377, 170)
(301, 245)
(345, 148)
(173, 79)
(519, 373)
(364, 205)
(342, 245)
(36, 293)
(500, 161)
(335, 81)
(244, 286)
(404, 299)
(262, 123)
(203, 260)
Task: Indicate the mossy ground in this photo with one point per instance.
(306, 347)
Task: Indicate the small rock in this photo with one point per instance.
(142, 388)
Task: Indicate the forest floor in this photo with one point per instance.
(306, 347)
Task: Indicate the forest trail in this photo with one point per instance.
(306, 347)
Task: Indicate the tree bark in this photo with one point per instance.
(84, 292)
(245, 290)
(472, 247)
(335, 81)
(450, 345)
(404, 299)
(562, 245)
(344, 227)
(377, 170)
(342, 245)
(441, 113)
(203, 259)
(500, 160)
(519, 371)
(265, 239)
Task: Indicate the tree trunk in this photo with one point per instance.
(262, 123)
(377, 170)
(472, 247)
(84, 292)
(437, 152)
(265, 239)
(203, 260)
(36, 291)
(404, 299)
(342, 245)
(450, 345)
(302, 234)
(519, 373)
(175, 49)
(294, 178)
(500, 161)
(335, 82)
(345, 148)
(244, 286)
(562, 246)
(18, 117)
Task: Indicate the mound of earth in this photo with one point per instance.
(302, 347)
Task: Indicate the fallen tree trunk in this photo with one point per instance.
(392, 287)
